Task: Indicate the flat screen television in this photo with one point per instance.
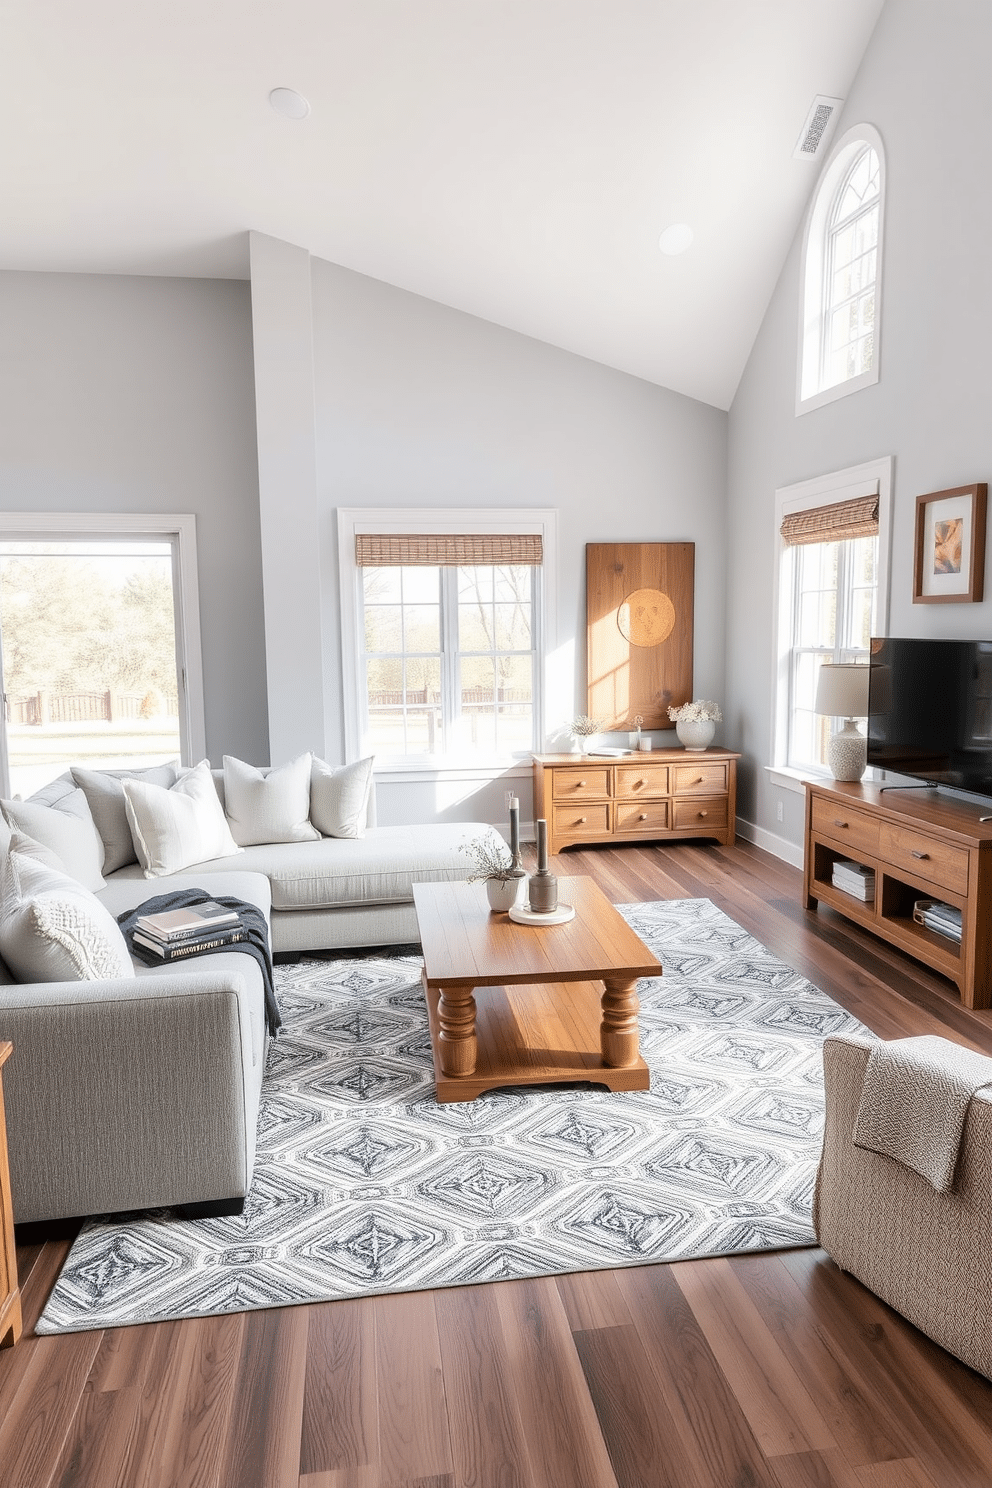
(930, 711)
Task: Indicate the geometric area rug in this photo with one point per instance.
(363, 1184)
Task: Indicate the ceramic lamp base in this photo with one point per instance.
(847, 752)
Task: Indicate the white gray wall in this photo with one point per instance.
(923, 84)
(122, 394)
(419, 405)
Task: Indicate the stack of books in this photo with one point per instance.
(854, 879)
(182, 932)
(943, 918)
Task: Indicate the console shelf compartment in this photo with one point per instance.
(922, 845)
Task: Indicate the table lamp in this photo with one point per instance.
(842, 692)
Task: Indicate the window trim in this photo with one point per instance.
(872, 478)
(354, 521)
(180, 530)
(812, 314)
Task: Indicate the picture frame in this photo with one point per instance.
(949, 558)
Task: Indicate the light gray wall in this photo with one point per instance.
(923, 84)
(420, 405)
(122, 394)
(282, 325)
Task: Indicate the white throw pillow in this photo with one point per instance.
(20, 842)
(178, 827)
(269, 807)
(54, 930)
(339, 797)
(67, 829)
(105, 794)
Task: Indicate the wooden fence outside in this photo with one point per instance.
(38, 708)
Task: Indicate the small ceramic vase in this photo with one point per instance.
(697, 735)
(502, 893)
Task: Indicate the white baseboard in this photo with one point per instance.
(789, 852)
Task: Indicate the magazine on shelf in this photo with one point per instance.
(937, 916)
(178, 924)
(854, 878)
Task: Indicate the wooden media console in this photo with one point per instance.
(921, 844)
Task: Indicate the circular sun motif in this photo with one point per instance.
(646, 617)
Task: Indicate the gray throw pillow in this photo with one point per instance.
(67, 829)
(105, 796)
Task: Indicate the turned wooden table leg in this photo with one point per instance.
(618, 1034)
(457, 1043)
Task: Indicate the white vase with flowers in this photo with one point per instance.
(695, 723)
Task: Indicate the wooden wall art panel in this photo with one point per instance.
(639, 599)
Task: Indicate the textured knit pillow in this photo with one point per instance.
(66, 828)
(339, 797)
(52, 929)
(177, 828)
(269, 807)
(105, 794)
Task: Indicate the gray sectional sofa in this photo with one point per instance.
(142, 1090)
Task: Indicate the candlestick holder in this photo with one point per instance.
(517, 869)
(543, 887)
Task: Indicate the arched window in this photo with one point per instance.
(839, 350)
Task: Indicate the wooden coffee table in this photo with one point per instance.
(558, 1004)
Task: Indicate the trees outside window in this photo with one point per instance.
(448, 659)
(447, 624)
(833, 604)
(95, 640)
(831, 596)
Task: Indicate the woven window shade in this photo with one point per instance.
(450, 550)
(822, 524)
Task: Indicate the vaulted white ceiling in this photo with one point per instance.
(516, 159)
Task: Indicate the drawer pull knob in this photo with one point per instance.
(838, 822)
(703, 813)
(580, 821)
(581, 783)
(643, 816)
(919, 855)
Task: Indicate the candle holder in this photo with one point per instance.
(518, 872)
(543, 887)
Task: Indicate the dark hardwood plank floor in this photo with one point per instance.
(770, 1371)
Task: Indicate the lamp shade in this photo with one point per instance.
(842, 690)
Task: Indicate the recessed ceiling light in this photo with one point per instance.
(289, 103)
(676, 239)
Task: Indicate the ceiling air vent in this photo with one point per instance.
(818, 127)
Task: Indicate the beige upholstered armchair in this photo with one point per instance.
(926, 1252)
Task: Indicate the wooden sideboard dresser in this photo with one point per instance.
(921, 845)
(643, 797)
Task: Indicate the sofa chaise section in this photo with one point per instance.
(347, 892)
(142, 1092)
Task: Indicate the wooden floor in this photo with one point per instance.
(760, 1370)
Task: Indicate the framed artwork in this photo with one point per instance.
(949, 565)
(639, 604)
